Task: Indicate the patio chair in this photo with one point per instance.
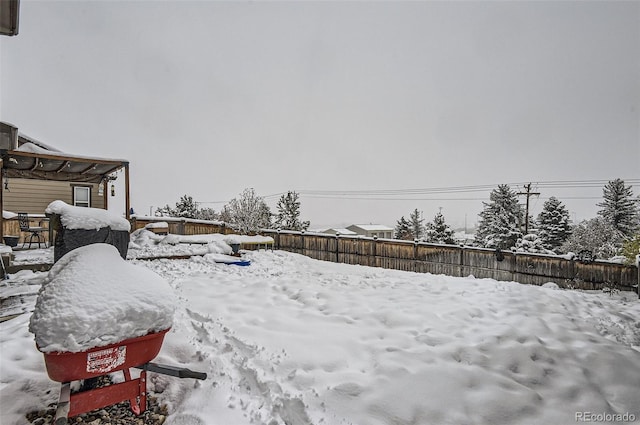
(35, 232)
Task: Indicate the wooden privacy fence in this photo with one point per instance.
(460, 261)
(178, 226)
(451, 260)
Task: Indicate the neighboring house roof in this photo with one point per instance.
(340, 231)
(23, 140)
(371, 227)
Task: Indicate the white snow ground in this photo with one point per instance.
(290, 340)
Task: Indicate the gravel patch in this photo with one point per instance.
(117, 414)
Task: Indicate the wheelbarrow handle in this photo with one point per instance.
(179, 372)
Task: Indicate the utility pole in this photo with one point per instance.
(528, 193)
(465, 225)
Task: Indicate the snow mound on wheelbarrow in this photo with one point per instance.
(92, 297)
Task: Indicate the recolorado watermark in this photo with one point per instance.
(605, 417)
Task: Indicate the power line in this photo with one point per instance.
(558, 184)
(422, 194)
(227, 201)
(581, 198)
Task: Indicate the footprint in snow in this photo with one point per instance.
(185, 419)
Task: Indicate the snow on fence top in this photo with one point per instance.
(157, 225)
(87, 218)
(92, 297)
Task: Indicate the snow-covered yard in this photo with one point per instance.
(290, 340)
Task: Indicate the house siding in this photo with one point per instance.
(33, 196)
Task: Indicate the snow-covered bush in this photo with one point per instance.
(532, 243)
(249, 212)
(595, 235)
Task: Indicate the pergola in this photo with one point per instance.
(61, 167)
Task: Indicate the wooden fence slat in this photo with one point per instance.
(437, 259)
(464, 261)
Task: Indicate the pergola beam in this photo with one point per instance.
(91, 167)
(35, 164)
(63, 166)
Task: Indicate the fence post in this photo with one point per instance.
(570, 280)
(278, 239)
(337, 250)
(375, 251)
(638, 267)
(462, 261)
(302, 242)
(415, 255)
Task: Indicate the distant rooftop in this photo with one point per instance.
(372, 227)
(341, 231)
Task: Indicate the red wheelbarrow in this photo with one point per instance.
(66, 367)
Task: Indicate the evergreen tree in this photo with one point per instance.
(165, 211)
(554, 225)
(500, 221)
(206, 214)
(288, 216)
(631, 249)
(416, 223)
(403, 230)
(597, 236)
(249, 212)
(619, 208)
(186, 207)
(438, 231)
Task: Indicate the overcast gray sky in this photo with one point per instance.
(208, 98)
